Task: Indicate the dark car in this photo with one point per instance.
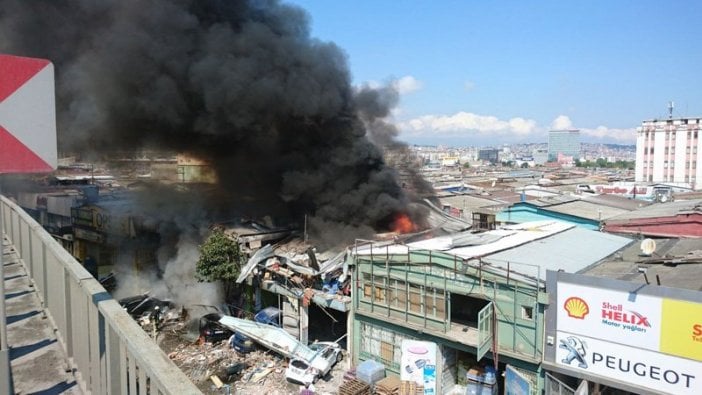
(211, 330)
(139, 305)
(242, 343)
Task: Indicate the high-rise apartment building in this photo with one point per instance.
(669, 150)
(488, 155)
(566, 142)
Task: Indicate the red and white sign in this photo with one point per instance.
(619, 317)
(27, 115)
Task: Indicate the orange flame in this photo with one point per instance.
(403, 224)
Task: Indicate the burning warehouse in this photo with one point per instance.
(241, 85)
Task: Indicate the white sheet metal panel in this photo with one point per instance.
(506, 237)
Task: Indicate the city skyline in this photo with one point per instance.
(473, 73)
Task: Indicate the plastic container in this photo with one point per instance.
(481, 376)
(370, 371)
(473, 388)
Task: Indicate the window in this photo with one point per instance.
(381, 344)
(528, 312)
(401, 296)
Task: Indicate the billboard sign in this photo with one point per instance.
(660, 372)
(651, 322)
(607, 314)
(624, 333)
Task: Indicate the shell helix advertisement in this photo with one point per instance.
(419, 364)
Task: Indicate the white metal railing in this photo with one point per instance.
(111, 353)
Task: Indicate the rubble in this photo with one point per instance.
(258, 372)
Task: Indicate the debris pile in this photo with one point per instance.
(214, 367)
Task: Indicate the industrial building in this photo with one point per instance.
(479, 297)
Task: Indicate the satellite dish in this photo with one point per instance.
(648, 246)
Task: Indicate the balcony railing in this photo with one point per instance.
(111, 354)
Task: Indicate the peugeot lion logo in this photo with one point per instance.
(576, 351)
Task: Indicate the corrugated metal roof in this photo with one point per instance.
(572, 250)
(615, 201)
(630, 265)
(669, 209)
(587, 210)
(469, 202)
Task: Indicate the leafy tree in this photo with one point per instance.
(220, 260)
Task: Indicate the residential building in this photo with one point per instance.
(566, 142)
(668, 151)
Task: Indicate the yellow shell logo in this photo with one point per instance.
(576, 307)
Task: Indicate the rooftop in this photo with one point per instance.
(631, 264)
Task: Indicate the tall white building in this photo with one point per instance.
(566, 142)
(669, 151)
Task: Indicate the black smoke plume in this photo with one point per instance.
(241, 84)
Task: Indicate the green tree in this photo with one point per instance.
(220, 260)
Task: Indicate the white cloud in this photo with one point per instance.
(562, 122)
(611, 134)
(469, 86)
(407, 84)
(467, 125)
(463, 122)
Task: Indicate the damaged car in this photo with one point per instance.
(211, 331)
(327, 354)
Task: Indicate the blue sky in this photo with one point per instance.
(489, 72)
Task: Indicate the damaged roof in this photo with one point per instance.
(529, 248)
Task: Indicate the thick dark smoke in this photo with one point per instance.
(238, 83)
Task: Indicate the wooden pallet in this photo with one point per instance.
(354, 387)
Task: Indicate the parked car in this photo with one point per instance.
(211, 330)
(327, 355)
(242, 343)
